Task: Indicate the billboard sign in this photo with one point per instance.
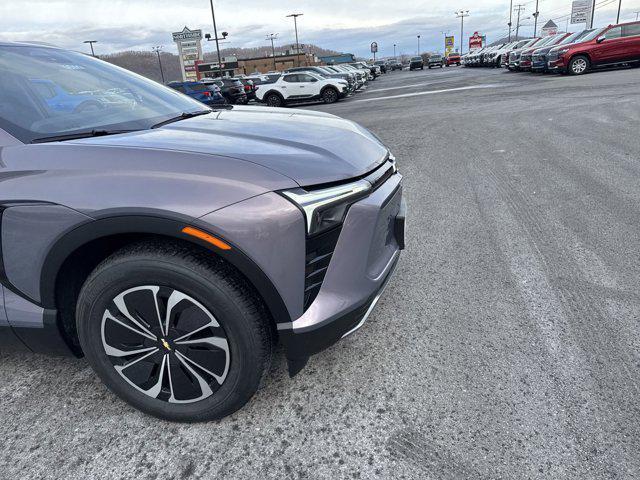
(476, 41)
(374, 47)
(580, 11)
(449, 43)
(189, 44)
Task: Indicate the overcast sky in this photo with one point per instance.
(343, 25)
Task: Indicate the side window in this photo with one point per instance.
(306, 78)
(291, 78)
(615, 32)
(631, 30)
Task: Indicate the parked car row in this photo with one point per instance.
(571, 53)
(328, 83)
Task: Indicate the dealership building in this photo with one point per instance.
(232, 66)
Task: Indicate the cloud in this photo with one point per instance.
(337, 24)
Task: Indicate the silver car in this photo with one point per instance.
(172, 244)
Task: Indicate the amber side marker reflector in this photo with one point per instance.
(194, 232)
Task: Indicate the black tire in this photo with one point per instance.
(330, 95)
(205, 291)
(579, 65)
(274, 100)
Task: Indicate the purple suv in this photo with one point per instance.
(173, 244)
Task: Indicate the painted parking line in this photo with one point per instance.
(430, 92)
(404, 86)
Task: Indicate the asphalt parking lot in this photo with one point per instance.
(507, 345)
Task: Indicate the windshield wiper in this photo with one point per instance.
(75, 136)
(182, 116)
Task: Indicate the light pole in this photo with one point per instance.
(418, 45)
(619, 7)
(394, 52)
(157, 49)
(295, 24)
(461, 15)
(272, 37)
(535, 22)
(215, 32)
(91, 42)
(519, 8)
(593, 11)
(637, 15)
(510, 18)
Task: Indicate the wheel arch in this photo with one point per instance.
(75, 254)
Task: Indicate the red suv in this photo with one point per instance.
(612, 45)
(453, 59)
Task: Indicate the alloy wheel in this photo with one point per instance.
(579, 66)
(165, 344)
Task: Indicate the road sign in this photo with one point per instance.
(374, 47)
(580, 11)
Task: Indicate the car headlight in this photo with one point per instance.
(562, 51)
(326, 208)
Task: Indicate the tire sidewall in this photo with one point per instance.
(243, 376)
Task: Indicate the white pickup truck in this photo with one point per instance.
(302, 87)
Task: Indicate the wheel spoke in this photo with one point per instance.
(145, 333)
(124, 310)
(204, 386)
(218, 342)
(155, 390)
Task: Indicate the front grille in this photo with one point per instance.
(319, 248)
(319, 252)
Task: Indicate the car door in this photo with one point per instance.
(289, 84)
(631, 42)
(307, 85)
(610, 47)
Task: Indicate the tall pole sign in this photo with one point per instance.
(374, 49)
(189, 44)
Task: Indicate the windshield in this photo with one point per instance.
(46, 92)
(593, 34)
(416, 59)
(574, 37)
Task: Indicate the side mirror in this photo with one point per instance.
(600, 39)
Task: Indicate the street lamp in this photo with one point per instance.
(157, 49)
(295, 23)
(91, 42)
(272, 37)
(461, 15)
(418, 45)
(217, 40)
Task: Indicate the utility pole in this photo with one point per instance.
(619, 7)
(215, 32)
(519, 8)
(418, 46)
(461, 15)
(91, 42)
(157, 49)
(272, 37)
(535, 23)
(295, 23)
(510, 17)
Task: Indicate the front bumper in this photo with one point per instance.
(363, 261)
(539, 63)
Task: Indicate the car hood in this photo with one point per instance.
(309, 147)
